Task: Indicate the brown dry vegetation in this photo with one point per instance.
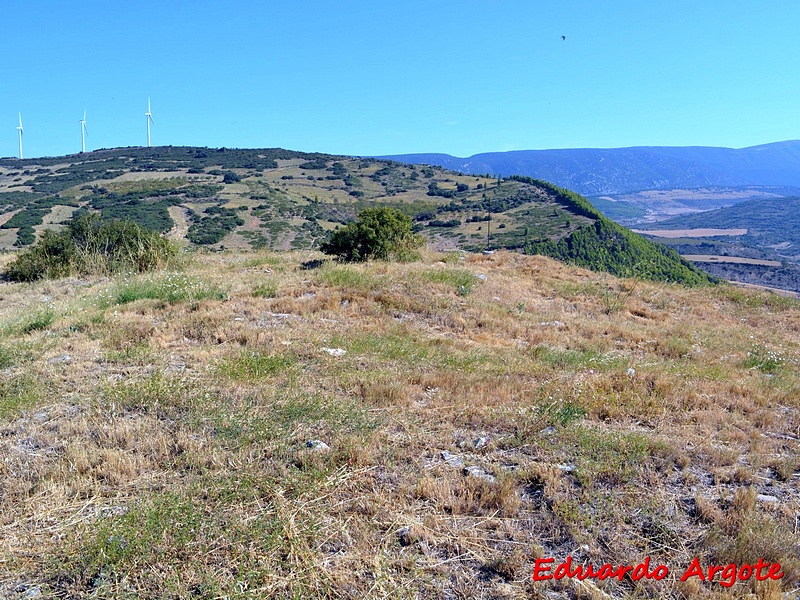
(154, 429)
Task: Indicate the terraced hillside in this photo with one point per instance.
(273, 198)
(280, 200)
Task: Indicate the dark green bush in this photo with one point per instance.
(316, 164)
(441, 223)
(25, 236)
(435, 190)
(379, 233)
(212, 228)
(90, 245)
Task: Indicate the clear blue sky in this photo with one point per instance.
(373, 77)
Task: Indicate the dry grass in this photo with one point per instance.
(154, 429)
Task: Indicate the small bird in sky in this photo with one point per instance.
(563, 37)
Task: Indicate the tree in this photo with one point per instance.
(379, 233)
(231, 177)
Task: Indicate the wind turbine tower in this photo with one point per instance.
(84, 132)
(19, 129)
(149, 116)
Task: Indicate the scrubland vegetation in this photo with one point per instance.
(90, 246)
(283, 200)
(252, 425)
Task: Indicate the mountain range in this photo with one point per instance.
(598, 171)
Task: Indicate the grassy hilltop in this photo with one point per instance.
(282, 200)
(162, 434)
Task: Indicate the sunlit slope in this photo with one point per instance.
(281, 200)
(251, 426)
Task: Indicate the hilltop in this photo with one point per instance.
(274, 425)
(284, 200)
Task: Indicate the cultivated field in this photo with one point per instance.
(260, 425)
(738, 260)
(689, 233)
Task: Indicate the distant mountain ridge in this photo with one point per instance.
(597, 171)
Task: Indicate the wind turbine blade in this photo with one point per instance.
(84, 114)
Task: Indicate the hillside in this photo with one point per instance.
(596, 171)
(251, 427)
(771, 224)
(763, 230)
(281, 200)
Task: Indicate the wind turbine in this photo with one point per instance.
(84, 132)
(19, 129)
(149, 121)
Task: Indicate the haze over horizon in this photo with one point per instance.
(458, 78)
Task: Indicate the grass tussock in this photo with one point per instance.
(169, 288)
(254, 366)
(35, 321)
(461, 280)
(403, 430)
(348, 277)
(18, 393)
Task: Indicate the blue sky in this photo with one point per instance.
(372, 77)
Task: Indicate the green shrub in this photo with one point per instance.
(316, 164)
(440, 223)
(346, 277)
(379, 233)
(211, 229)
(89, 245)
(25, 236)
